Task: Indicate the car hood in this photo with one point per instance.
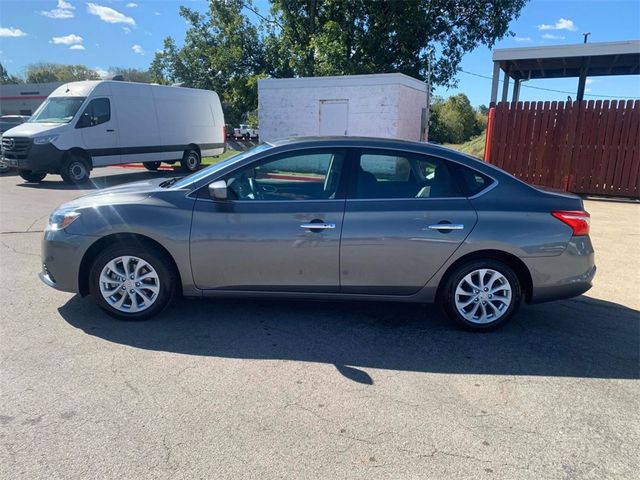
(127, 193)
(35, 129)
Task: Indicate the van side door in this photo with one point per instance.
(98, 130)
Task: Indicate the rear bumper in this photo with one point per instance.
(564, 276)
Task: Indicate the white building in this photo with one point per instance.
(380, 105)
(24, 98)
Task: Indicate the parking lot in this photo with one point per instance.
(272, 389)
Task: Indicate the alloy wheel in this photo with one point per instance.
(129, 284)
(483, 296)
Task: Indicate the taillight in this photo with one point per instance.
(578, 220)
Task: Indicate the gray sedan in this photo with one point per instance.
(326, 218)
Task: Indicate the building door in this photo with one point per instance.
(334, 117)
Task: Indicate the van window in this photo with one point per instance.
(57, 110)
(98, 111)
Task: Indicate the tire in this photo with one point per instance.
(31, 176)
(152, 166)
(498, 300)
(4, 168)
(75, 170)
(108, 294)
(191, 161)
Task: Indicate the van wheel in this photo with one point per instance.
(75, 170)
(132, 281)
(152, 166)
(481, 295)
(190, 161)
(32, 177)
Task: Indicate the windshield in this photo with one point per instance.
(57, 110)
(195, 177)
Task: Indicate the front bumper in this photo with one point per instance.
(62, 255)
(37, 158)
(564, 276)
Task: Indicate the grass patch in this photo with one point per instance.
(474, 147)
(213, 160)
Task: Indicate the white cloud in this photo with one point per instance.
(591, 81)
(102, 73)
(63, 11)
(11, 32)
(551, 36)
(126, 29)
(562, 24)
(78, 46)
(522, 39)
(131, 5)
(109, 15)
(137, 49)
(71, 39)
(157, 13)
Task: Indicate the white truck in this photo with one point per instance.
(245, 132)
(83, 125)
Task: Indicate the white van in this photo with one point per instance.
(83, 125)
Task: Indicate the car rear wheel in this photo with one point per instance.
(481, 295)
(190, 161)
(152, 166)
(75, 170)
(31, 176)
(132, 282)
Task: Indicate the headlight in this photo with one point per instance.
(61, 219)
(44, 140)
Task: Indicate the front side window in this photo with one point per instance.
(98, 111)
(57, 110)
(301, 176)
(401, 175)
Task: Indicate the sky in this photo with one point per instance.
(123, 33)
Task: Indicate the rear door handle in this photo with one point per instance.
(318, 226)
(447, 226)
(110, 130)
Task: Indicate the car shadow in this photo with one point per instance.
(581, 337)
(55, 182)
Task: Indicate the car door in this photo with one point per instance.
(404, 217)
(279, 229)
(99, 135)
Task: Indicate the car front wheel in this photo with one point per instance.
(481, 295)
(132, 282)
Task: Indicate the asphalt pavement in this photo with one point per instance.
(229, 389)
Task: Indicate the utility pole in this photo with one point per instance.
(586, 35)
(428, 107)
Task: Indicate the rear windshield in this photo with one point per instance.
(57, 110)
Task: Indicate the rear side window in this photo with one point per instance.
(471, 181)
(382, 175)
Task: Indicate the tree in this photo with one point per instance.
(454, 120)
(335, 37)
(132, 74)
(222, 52)
(7, 78)
(55, 72)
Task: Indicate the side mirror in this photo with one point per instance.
(84, 121)
(218, 190)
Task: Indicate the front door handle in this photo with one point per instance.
(110, 130)
(318, 226)
(447, 226)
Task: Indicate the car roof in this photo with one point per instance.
(390, 143)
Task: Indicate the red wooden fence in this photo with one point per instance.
(583, 147)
